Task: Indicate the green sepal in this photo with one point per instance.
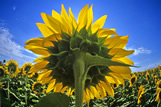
(54, 100)
(65, 36)
(101, 40)
(75, 41)
(52, 59)
(61, 54)
(52, 50)
(103, 52)
(63, 45)
(83, 32)
(94, 48)
(85, 44)
(93, 37)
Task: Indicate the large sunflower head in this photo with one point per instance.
(65, 39)
(140, 93)
(133, 80)
(37, 87)
(13, 68)
(26, 67)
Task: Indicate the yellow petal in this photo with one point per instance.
(45, 30)
(63, 89)
(118, 52)
(68, 91)
(51, 85)
(56, 15)
(64, 24)
(44, 75)
(100, 89)
(54, 37)
(108, 88)
(110, 79)
(41, 64)
(46, 80)
(116, 42)
(71, 16)
(58, 87)
(35, 41)
(114, 80)
(94, 92)
(82, 17)
(87, 98)
(67, 21)
(98, 24)
(71, 93)
(120, 69)
(51, 22)
(37, 50)
(120, 79)
(39, 59)
(125, 60)
(126, 76)
(103, 90)
(90, 17)
(106, 32)
(89, 93)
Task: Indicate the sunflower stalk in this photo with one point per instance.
(26, 81)
(8, 91)
(80, 73)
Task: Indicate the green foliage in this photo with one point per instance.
(16, 91)
(54, 100)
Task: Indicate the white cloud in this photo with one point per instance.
(11, 49)
(140, 50)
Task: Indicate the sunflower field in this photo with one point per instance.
(18, 88)
(79, 64)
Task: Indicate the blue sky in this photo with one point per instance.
(141, 19)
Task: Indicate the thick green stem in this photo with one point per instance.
(79, 68)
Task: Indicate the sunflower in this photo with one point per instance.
(158, 84)
(2, 71)
(147, 76)
(140, 93)
(158, 93)
(114, 85)
(133, 80)
(26, 67)
(68, 45)
(1, 85)
(35, 75)
(37, 87)
(13, 68)
(156, 79)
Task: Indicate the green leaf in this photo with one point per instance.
(54, 100)
(19, 89)
(35, 101)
